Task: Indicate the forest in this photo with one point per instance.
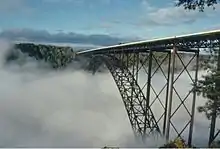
(58, 57)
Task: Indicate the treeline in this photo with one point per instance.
(56, 57)
(60, 57)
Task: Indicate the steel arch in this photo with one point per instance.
(139, 112)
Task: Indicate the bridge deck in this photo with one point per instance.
(167, 42)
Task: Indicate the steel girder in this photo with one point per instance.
(186, 42)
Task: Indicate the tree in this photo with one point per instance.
(209, 87)
(197, 4)
(56, 57)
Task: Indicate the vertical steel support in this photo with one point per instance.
(148, 87)
(133, 66)
(167, 95)
(137, 66)
(171, 93)
(132, 59)
(149, 77)
(212, 127)
(194, 100)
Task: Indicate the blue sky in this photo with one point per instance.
(127, 19)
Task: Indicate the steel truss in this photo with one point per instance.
(140, 115)
(139, 100)
(141, 97)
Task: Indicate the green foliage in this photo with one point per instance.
(57, 57)
(209, 85)
(196, 4)
(209, 88)
(177, 143)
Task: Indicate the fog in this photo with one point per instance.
(69, 108)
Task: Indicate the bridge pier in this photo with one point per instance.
(170, 102)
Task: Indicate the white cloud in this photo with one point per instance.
(73, 108)
(174, 15)
(59, 109)
(60, 37)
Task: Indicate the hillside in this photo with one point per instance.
(58, 57)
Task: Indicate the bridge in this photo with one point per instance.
(127, 61)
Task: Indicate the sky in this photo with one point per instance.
(100, 22)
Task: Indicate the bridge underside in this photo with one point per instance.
(150, 79)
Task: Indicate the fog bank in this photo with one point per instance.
(69, 108)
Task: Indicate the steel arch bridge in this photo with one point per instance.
(167, 56)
